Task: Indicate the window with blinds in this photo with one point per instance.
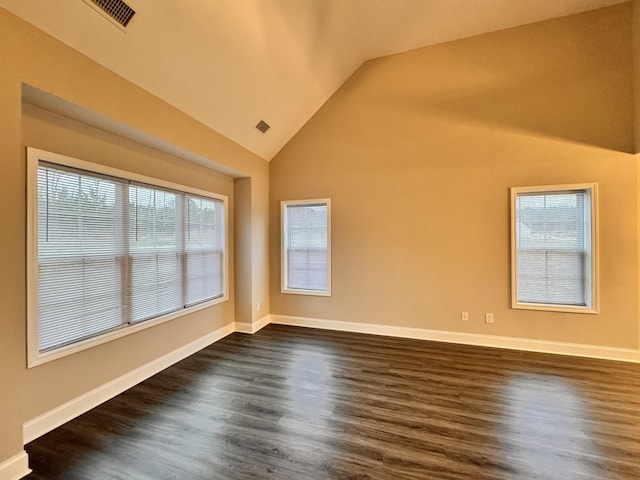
(553, 248)
(306, 247)
(111, 252)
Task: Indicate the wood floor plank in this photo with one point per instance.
(295, 403)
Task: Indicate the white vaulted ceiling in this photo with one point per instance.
(230, 63)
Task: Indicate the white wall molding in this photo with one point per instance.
(245, 327)
(511, 343)
(15, 467)
(46, 422)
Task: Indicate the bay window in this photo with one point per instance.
(110, 250)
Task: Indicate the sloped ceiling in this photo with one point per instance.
(231, 63)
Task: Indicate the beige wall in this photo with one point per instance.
(252, 266)
(12, 280)
(30, 57)
(242, 230)
(261, 303)
(51, 384)
(635, 20)
(417, 152)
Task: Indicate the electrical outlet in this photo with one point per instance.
(488, 317)
(465, 316)
(257, 306)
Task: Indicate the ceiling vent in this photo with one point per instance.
(115, 10)
(263, 126)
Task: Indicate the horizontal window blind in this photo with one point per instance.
(306, 236)
(553, 247)
(154, 246)
(204, 249)
(112, 252)
(81, 255)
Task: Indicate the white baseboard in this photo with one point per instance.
(46, 422)
(244, 327)
(572, 349)
(15, 467)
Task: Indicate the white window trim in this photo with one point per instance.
(283, 248)
(595, 290)
(34, 155)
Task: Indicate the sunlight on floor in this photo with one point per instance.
(547, 429)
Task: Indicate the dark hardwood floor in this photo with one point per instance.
(294, 403)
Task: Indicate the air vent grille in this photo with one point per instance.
(116, 9)
(263, 126)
